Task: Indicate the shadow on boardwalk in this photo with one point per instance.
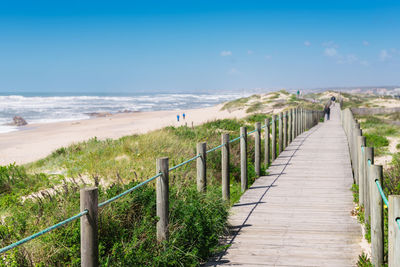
(299, 214)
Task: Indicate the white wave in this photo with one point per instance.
(45, 109)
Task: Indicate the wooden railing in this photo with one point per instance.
(368, 176)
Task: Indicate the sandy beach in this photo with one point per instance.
(36, 141)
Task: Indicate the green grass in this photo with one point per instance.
(127, 230)
(376, 132)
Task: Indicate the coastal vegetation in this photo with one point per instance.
(275, 102)
(384, 136)
(38, 195)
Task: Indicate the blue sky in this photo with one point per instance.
(143, 46)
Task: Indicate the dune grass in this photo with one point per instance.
(127, 230)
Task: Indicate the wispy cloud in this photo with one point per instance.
(384, 55)
(268, 57)
(330, 44)
(250, 52)
(330, 52)
(233, 71)
(226, 53)
(307, 43)
(365, 43)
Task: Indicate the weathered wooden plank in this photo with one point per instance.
(300, 213)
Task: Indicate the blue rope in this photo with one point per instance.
(252, 132)
(183, 163)
(233, 140)
(129, 190)
(215, 148)
(381, 192)
(398, 222)
(369, 162)
(22, 241)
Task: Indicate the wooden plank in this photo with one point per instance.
(300, 213)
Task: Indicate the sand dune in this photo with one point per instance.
(36, 141)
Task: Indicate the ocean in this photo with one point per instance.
(46, 109)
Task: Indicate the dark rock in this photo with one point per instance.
(19, 121)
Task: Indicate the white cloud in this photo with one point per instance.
(330, 44)
(365, 43)
(307, 43)
(330, 52)
(250, 52)
(364, 63)
(226, 53)
(233, 71)
(348, 59)
(384, 55)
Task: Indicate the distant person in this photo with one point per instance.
(327, 110)
(333, 99)
(298, 93)
(177, 117)
(183, 116)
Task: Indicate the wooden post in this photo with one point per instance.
(377, 233)
(257, 149)
(273, 144)
(89, 227)
(361, 167)
(225, 167)
(294, 127)
(280, 144)
(394, 232)
(201, 167)
(243, 158)
(290, 118)
(285, 133)
(369, 155)
(162, 193)
(357, 133)
(266, 144)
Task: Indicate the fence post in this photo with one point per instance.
(225, 167)
(201, 164)
(273, 144)
(377, 233)
(285, 128)
(280, 141)
(257, 149)
(266, 143)
(394, 232)
(243, 158)
(361, 167)
(290, 118)
(294, 120)
(89, 227)
(357, 133)
(369, 155)
(162, 193)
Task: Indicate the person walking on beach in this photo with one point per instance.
(327, 109)
(177, 117)
(183, 116)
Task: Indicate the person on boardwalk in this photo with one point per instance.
(327, 109)
(177, 117)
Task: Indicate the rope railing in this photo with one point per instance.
(382, 193)
(29, 238)
(102, 204)
(129, 190)
(183, 163)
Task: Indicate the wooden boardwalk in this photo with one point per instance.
(300, 214)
